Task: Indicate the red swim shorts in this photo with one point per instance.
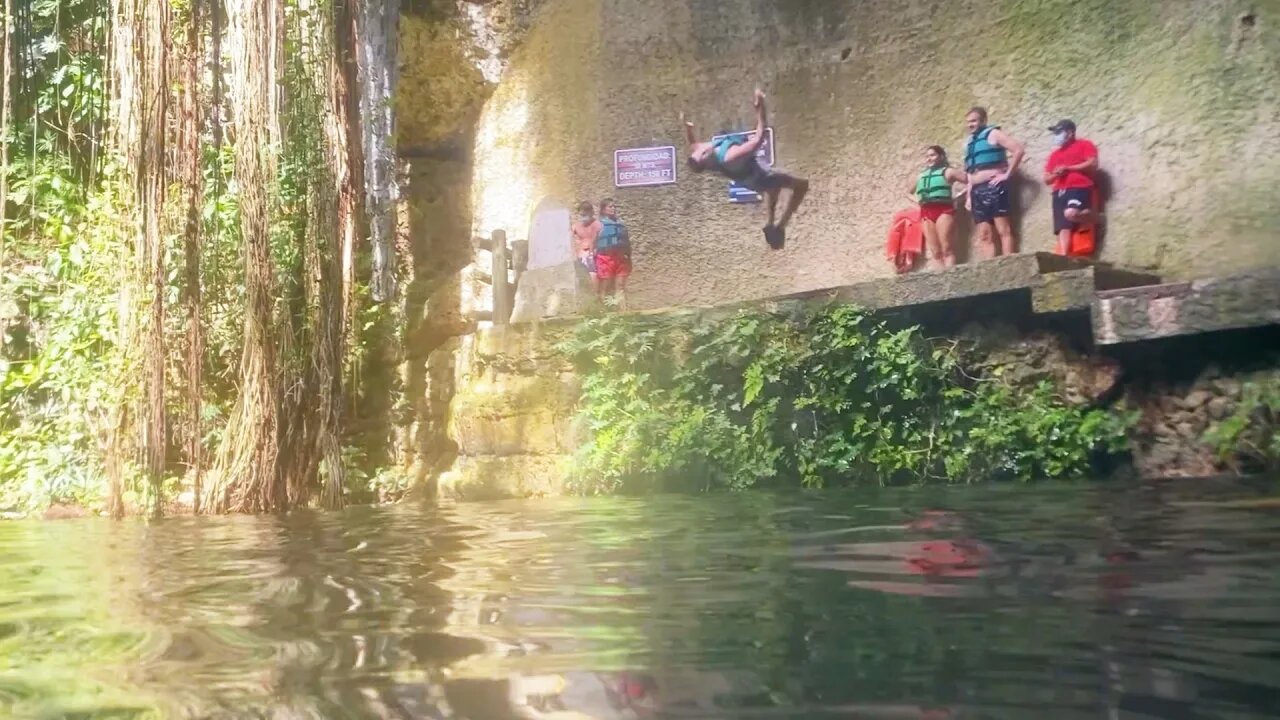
(609, 266)
(933, 211)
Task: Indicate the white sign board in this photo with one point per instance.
(637, 167)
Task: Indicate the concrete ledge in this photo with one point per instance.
(1074, 290)
(1187, 308)
(1064, 291)
(1055, 284)
(1002, 274)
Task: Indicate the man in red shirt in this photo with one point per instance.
(1069, 172)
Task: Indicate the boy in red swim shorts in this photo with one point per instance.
(613, 253)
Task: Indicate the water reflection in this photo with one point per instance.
(1066, 602)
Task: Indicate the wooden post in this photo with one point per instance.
(519, 261)
(503, 301)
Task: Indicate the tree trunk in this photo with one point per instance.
(193, 181)
(316, 123)
(298, 311)
(351, 198)
(140, 96)
(6, 114)
(217, 13)
(377, 27)
(245, 477)
(152, 176)
(124, 86)
(338, 239)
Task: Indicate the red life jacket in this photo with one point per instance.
(906, 240)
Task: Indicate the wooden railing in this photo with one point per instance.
(508, 263)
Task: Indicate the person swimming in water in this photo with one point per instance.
(734, 157)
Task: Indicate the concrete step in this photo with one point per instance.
(1187, 308)
(1056, 283)
(1074, 290)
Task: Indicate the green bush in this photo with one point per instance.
(826, 397)
(1249, 438)
(58, 372)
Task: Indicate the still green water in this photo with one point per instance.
(1076, 601)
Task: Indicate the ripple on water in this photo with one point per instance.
(1054, 601)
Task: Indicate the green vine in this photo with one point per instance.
(827, 397)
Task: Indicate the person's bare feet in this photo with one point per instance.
(775, 236)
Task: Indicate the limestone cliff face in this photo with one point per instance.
(513, 417)
(1181, 96)
(451, 53)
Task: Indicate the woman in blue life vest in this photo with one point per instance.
(991, 158)
(932, 190)
(735, 158)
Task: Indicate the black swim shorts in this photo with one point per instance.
(1071, 198)
(990, 201)
(760, 178)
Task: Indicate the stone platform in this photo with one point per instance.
(1125, 306)
(1148, 313)
(514, 417)
(1054, 283)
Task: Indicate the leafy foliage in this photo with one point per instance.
(1250, 436)
(60, 263)
(66, 267)
(826, 397)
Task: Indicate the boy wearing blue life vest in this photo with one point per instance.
(734, 157)
(990, 159)
(613, 253)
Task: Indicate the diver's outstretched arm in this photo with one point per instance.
(762, 123)
(689, 135)
(752, 145)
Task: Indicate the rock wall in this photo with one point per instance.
(514, 417)
(1189, 388)
(1181, 97)
(505, 106)
(451, 54)
(1181, 390)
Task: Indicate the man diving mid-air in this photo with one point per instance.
(734, 156)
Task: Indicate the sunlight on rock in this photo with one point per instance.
(503, 191)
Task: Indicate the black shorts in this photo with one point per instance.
(990, 201)
(759, 178)
(1071, 198)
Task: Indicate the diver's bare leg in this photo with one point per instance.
(799, 188)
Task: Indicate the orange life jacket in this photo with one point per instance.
(906, 240)
(1084, 238)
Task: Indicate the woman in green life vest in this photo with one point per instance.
(932, 189)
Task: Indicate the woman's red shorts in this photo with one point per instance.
(933, 211)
